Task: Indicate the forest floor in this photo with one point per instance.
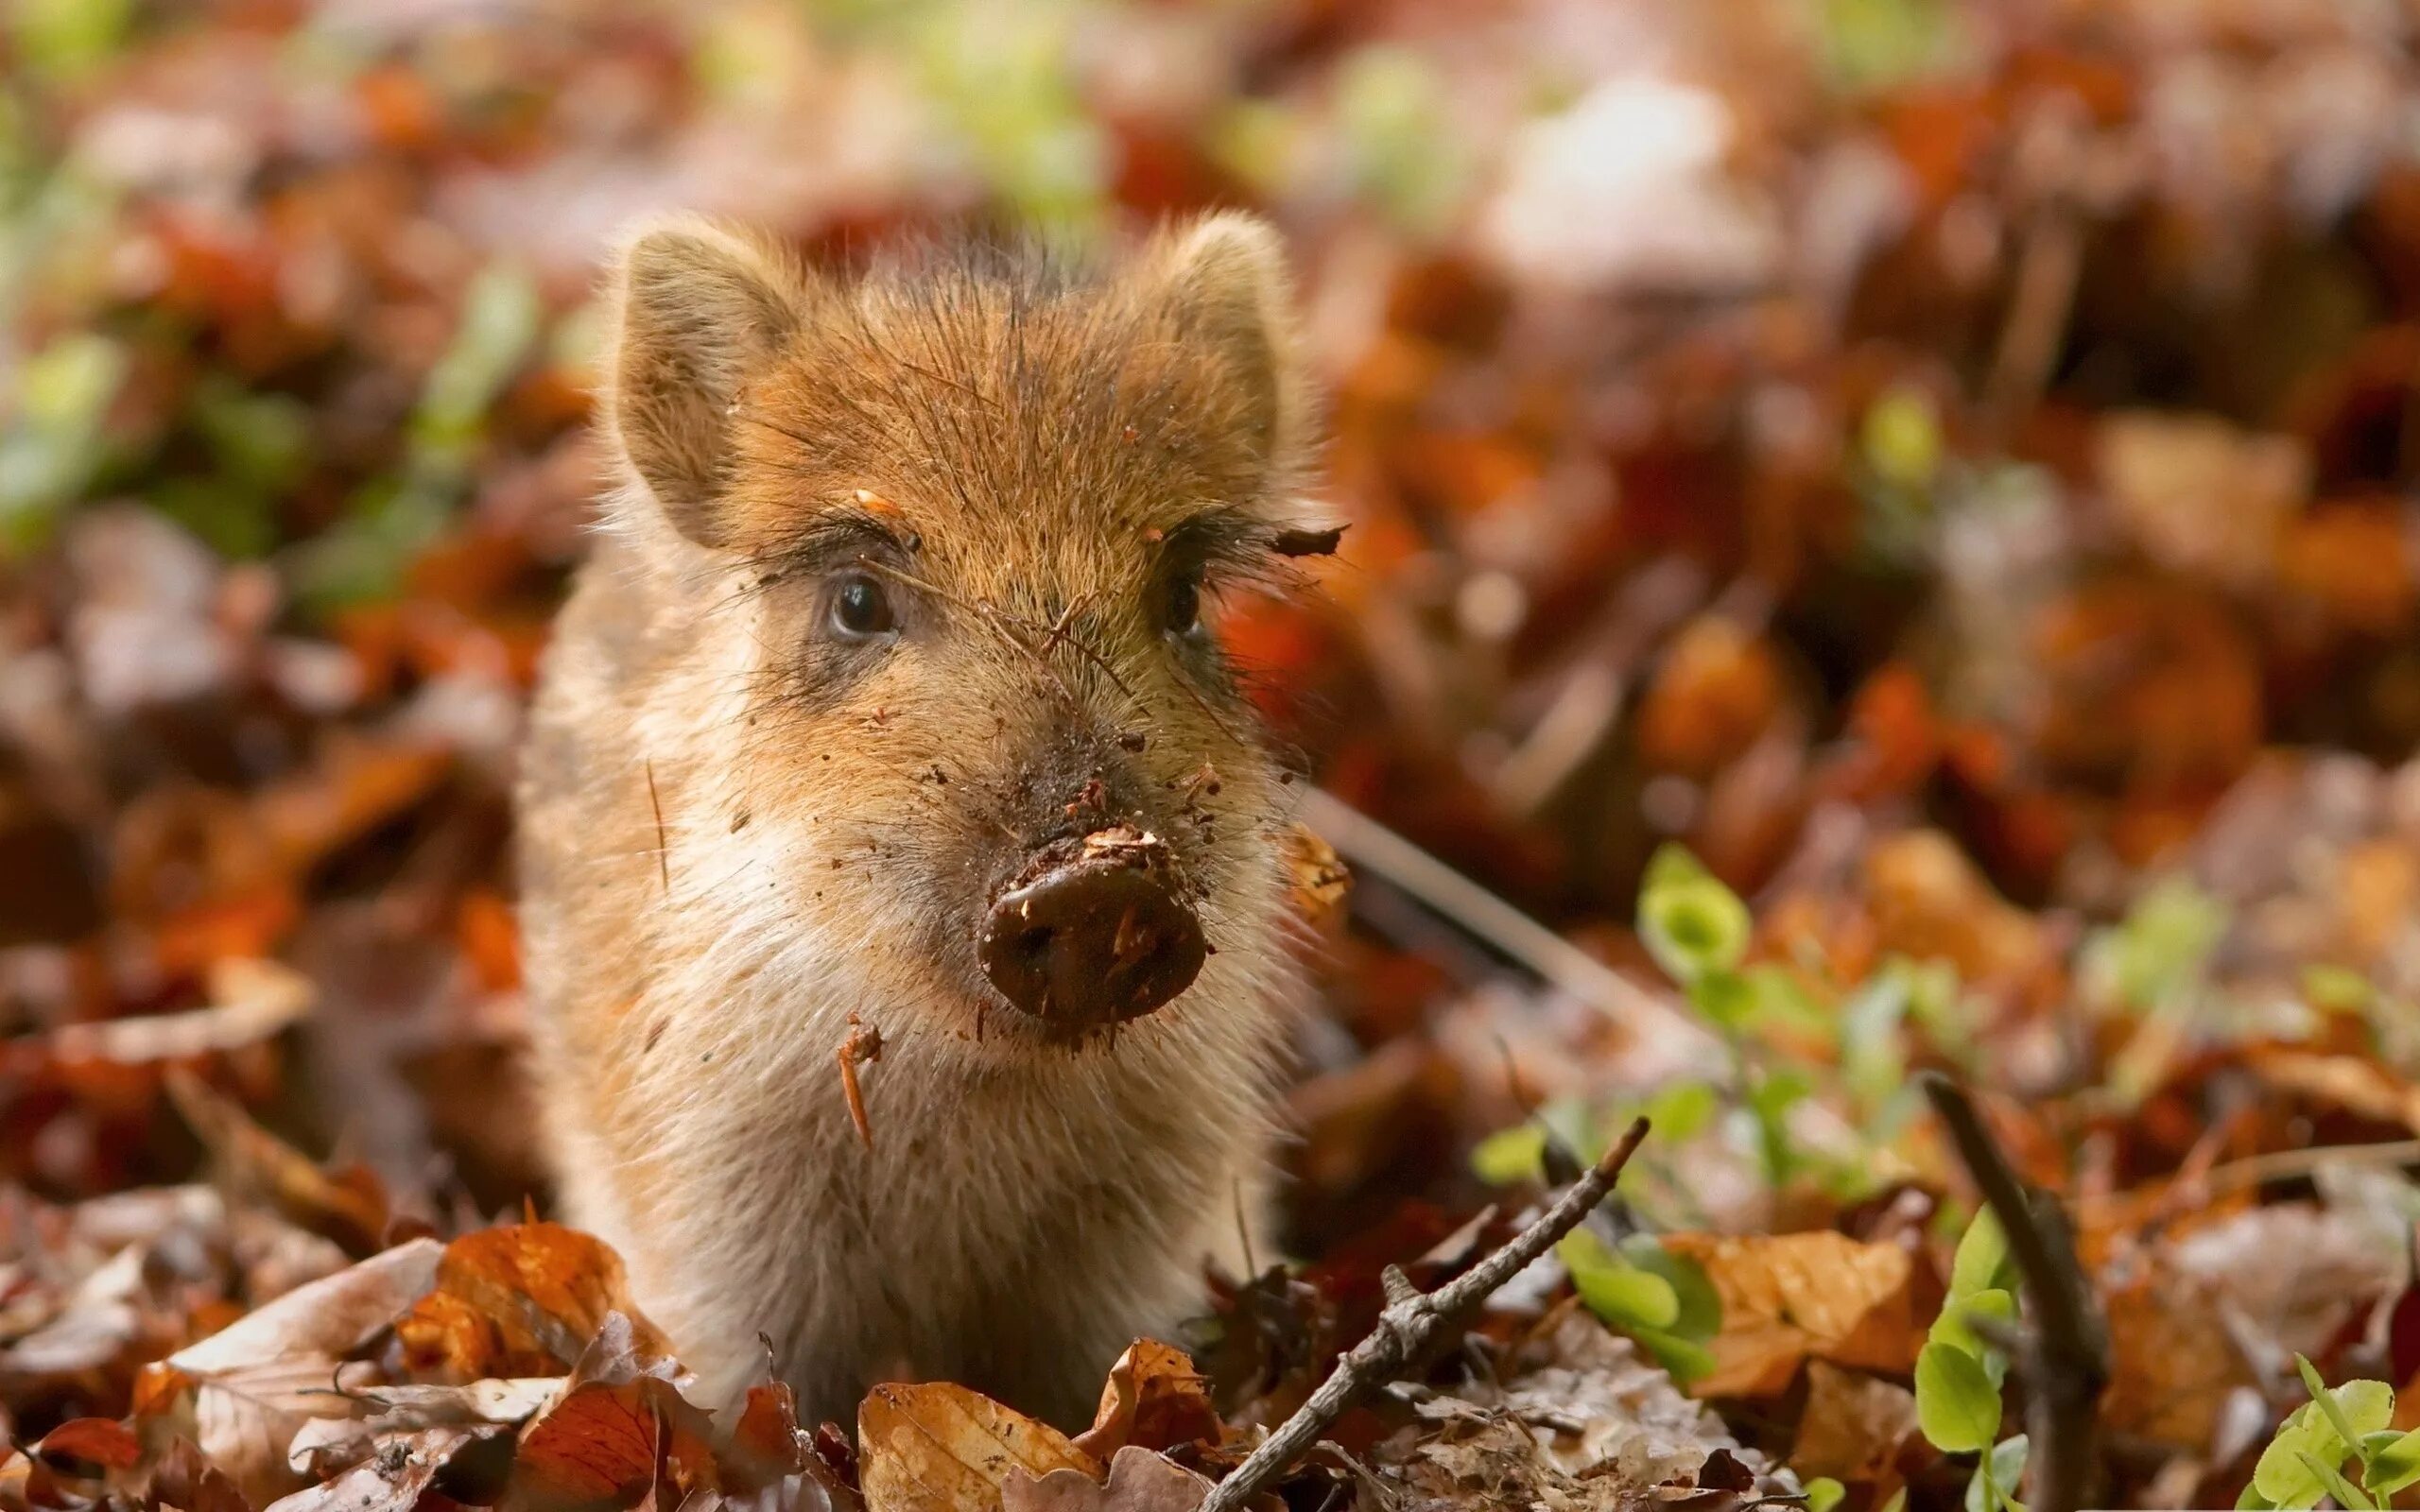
(1886, 528)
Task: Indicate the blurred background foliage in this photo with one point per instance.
(1946, 468)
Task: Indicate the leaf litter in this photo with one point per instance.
(1948, 476)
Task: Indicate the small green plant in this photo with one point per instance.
(1640, 1288)
(1960, 1370)
(1697, 930)
(2344, 1425)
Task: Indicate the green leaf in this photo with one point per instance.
(1901, 438)
(2338, 988)
(2252, 1500)
(1724, 999)
(2339, 1409)
(1689, 921)
(1957, 1405)
(2346, 1494)
(2392, 1464)
(1700, 1315)
(1682, 1110)
(1511, 1155)
(1982, 1261)
(1824, 1493)
(1684, 1360)
(2366, 1406)
(1998, 1475)
(1621, 1294)
(1953, 1328)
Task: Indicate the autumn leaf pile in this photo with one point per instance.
(1890, 524)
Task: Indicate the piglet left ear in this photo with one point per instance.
(1224, 284)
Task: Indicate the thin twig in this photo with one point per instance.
(1412, 1320)
(1371, 847)
(2288, 1165)
(2065, 1352)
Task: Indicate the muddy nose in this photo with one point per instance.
(1093, 937)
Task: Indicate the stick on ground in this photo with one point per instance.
(2063, 1352)
(1412, 1320)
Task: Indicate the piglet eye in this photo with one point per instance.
(1185, 605)
(861, 608)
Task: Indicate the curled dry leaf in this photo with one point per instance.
(1139, 1481)
(390, 1480)
(253, 1384)
(1789, 1297)
(256, 999)
(543, 1286)
(1153, 1399)
(765, 1447)
(2173, 1363)
(327, 1445)
(617, 1431)
(1854, 1428)
(940, 1448)
(250, 1162)
(1320, 877)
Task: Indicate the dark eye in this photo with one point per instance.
(1184, 604)
(861, 608)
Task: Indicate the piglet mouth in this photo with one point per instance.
(1092, 933)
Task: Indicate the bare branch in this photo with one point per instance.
(2064, 1353)
(1412, 1320)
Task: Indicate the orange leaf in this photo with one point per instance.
(1153, 1398)
(942, 1448)
(1789, 1297)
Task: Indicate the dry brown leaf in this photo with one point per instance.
(390, 1480)
(1139, 1481)
(940, 1448)
(255, 1001)
(325, 1445)
(2173, 1363)
(255, 1383)
(1853, 1428)
(763, 1447)
(1153, 1398)
(2360, 1087)
(250, 1162)
(545, 1285)
(1787, 1297)
(619, 1431)
(1320, 877)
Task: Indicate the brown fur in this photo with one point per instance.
(1030, 460)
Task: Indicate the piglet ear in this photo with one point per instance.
(1224, 282)
(698, 311)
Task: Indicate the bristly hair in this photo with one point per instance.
(979, 369)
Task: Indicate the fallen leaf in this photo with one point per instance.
(255, 1383)
(545, 1284)
(765, 1447)
(616, 1434)
(390, 1480)
(324, 1446)
(256, 999)
(1154, 1399)
(1853, 1428)
(250, 1162)
(939, 1448)
(2173, 1363)
(1320, 877)
(1788, 1298)
(1139, 1481)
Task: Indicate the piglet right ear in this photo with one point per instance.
(698, 311)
